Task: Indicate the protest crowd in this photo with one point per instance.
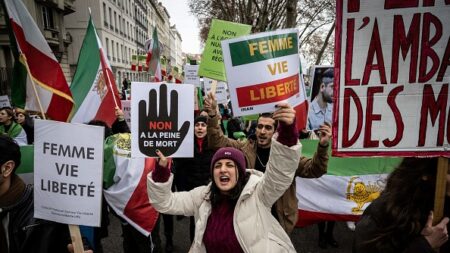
(241, 151)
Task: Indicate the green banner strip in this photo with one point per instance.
(264, 48)
(336, 166)
(351, 166)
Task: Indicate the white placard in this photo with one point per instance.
(162, 117)
(4, 101)
(263, 70)
(126, 108)
(392, 78)
(221, 90)
(68, 172)
(191, 75)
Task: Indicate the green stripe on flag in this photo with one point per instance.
(351, 166)
(200, 98)
(264, 48)
(251, 117)
(19, 84)
(88, 65)
(26, 160)
(336, 166)
(19, 75)
(109, 165)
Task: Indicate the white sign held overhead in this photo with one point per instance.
(191, 75)
(68, 172)
(263, 70)
(4, 101)
(392, 78)
(126, 108)
(162, 118)
(221, 90)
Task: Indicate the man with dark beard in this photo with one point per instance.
(321, 108)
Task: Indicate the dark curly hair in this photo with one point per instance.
(405, 202)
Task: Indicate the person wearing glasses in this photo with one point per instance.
(257, 151)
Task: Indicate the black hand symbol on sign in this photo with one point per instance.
(160, 131)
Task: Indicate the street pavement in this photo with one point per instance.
(304, 239)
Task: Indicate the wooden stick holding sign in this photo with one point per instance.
(75, 235)
(213, 86)
(441, 183)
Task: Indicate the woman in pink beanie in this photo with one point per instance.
(232, 213)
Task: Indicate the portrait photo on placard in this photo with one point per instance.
(321, 99)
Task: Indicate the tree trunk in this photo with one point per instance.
(325, 44)
(291, 13)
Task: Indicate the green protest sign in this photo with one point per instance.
(212, 61)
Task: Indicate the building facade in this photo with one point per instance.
(49, 16)
(123, 27)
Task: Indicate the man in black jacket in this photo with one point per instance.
(19, 231)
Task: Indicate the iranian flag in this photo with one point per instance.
(125, 183)
(342, 194)
(153, 56)
(94, 88)
(38, 81)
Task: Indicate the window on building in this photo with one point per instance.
(115, 20)
(113, 53)
(118, 54)
(47, 16)
(120, 24)
(110, 18)
(123, 26)
(105, 21)
(125, 56)
(107, 48)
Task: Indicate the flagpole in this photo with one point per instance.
(111, 88)
(24, 61)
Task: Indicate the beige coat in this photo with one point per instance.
(255, 227)
(286, 206)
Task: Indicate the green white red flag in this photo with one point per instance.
(153, 56)
(125, 183)
(45, 88)
(342, 194)
(94, 89)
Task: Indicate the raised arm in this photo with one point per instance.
(284, 157)
(216, 138)
(317, 165)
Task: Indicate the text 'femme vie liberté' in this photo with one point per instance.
(66, 170)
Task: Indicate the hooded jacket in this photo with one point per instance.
(255, 227)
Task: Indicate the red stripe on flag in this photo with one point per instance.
(301, 114)
(269, 92)
(138, 208)
(48, 72)
(306, 218)
(106, 111)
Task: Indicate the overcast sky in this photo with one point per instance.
(186, 24)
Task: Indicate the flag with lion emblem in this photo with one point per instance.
(342, 194)
(94, 88)
(125, 183)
